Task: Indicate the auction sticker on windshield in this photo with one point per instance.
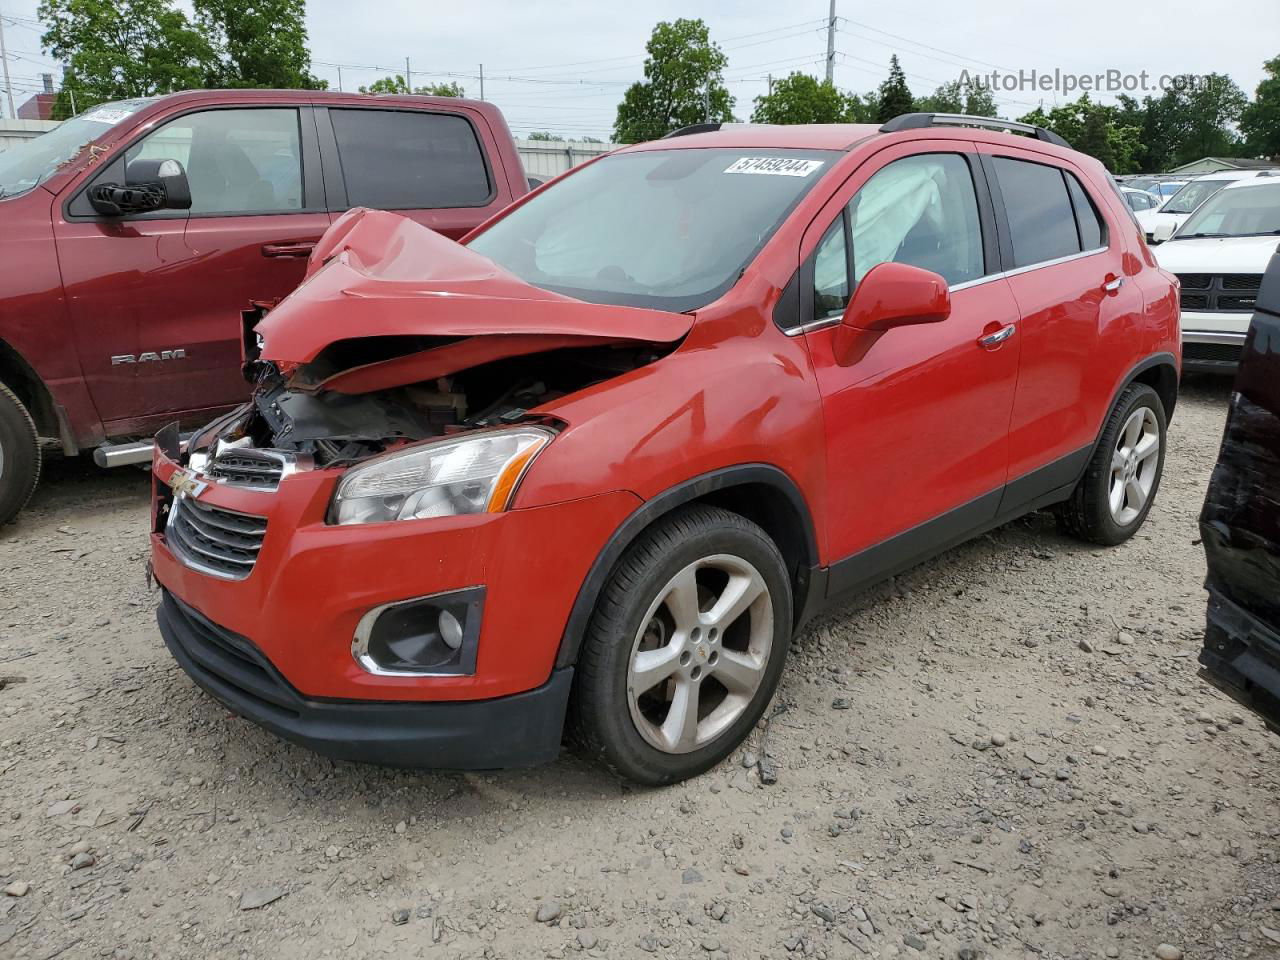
(774, 166)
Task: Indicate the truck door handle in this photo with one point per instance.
(992, 340)
(289, 248)
(1113, 284)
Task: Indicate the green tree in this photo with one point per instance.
(895, 96)
(1260, 121)
(1093, 128)
(683, 84)
(1206, 109)
(258, 43)
(959, 96)
(546, 135)
(800, 98)
(122, 48)
(397, 84)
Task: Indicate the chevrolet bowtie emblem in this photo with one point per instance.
(186, 484)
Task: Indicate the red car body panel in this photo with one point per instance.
(78, 291)
(927, 424)
(372, 284)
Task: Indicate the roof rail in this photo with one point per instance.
(692, 129)
(916, 121)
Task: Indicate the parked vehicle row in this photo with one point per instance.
(1161, 223)
(601, 460)
(134, 235)
(1219, 255)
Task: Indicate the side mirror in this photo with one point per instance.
(890, 295)
(149, 185)
(1162, 232)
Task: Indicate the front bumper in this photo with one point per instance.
(515, 731)
(1213, 342)
(312, 582)
(1241, 657)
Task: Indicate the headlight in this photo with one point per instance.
(472, 474)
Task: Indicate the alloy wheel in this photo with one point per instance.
(1135, 464)
(700, 654)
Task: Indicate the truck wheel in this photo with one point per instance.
(19, 455)
(685, 648)
(1119, 485)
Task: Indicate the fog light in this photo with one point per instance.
(428, 636)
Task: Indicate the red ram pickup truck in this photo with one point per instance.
(133, 236)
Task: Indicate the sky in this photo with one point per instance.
(563, 66)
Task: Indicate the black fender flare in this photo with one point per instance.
(652, 509)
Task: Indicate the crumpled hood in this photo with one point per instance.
(377, 274)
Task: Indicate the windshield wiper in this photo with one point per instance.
(1197, 236)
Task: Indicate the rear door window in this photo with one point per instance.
(410, 159)
(1093, 232)
(1042, 222)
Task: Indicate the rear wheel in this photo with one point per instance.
(685, 648)
(19, 455)
(1115, 495)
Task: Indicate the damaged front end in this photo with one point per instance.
(1240, 525)
(399, 337)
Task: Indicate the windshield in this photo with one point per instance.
(666, 229)
(28, 164)
(1239, 212)
(1192, 195)
(1169, 189)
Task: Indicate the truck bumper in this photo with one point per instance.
(520, 730)
(1241, 657)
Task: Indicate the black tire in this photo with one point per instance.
(1087, 514)
(19, 455)
(600, 711)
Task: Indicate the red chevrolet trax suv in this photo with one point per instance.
(133, 235)
(596, 465)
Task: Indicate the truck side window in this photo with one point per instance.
(410, 159)
(237, 161)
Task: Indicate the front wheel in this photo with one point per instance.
(685, 648)
(19, 455)
(1119, 485)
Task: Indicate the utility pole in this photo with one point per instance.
(771, 84)
(339, 78)
(482, 81)
(831, 41)
(706, 103)
(408, 77)
(4, 58)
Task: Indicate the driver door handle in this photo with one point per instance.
(289, 248)
(992, 340)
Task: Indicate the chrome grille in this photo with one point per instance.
(259, 469)
(214, 540)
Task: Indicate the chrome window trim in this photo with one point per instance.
(831, 321)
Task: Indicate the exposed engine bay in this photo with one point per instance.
(336, 429)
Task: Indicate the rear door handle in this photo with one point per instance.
(1113, 284)
(289, 248)
(992, 340)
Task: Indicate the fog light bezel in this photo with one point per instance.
(470, 600)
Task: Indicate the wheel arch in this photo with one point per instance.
(20, 377)
(1160, 372)
(762, 493)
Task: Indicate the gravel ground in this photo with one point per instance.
(1006, 752)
